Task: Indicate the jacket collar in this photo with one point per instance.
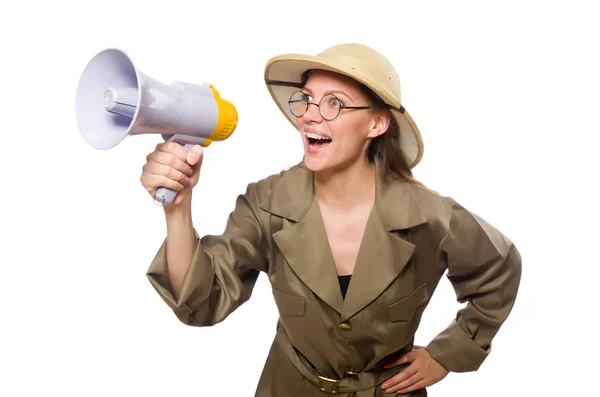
(303, 240)
(294, 193)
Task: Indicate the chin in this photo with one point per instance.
(315, 164)
(322, 164)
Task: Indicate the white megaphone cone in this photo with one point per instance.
(115, 100)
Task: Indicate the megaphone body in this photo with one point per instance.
(116, 100)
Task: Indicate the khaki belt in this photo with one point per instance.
(354, 383)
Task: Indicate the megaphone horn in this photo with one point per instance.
(115, 100)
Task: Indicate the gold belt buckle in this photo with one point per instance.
(323, 380)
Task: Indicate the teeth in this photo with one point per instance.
(315, 136)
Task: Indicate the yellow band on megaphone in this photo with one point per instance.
(228, 119)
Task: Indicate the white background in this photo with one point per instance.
(506, 97)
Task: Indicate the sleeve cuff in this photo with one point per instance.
(199, 277)
(456, 351)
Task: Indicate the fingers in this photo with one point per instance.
(405, 358)
(405, 379)
(172, 148)
(415, 386)
(166, 170)
(153, 181)
(167, 166)
(417, 375)
(170, 154)
(195, 155)
(406, 383)
(402, 376)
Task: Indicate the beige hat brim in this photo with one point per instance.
(284, 73)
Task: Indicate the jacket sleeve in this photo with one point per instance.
(484, 267)
(223, 271)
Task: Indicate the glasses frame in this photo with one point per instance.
(318, 105)
(282, 83)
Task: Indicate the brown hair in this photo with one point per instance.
(387, 146)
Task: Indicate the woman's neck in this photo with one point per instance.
(348, 187)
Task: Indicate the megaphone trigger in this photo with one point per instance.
(115, 100)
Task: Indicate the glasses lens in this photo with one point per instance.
(298, 103)
(329, 107)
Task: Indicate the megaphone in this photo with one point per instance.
(115, 99)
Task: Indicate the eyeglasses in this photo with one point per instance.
(329, 106)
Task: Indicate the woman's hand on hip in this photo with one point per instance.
(423, 371)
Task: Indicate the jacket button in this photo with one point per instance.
(345, 325)
(350, 372)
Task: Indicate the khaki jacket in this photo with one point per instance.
(325, 343)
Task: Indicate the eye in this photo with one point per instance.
(333, 101)
(297, 98)
(304, 96)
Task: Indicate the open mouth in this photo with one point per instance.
(316, 141)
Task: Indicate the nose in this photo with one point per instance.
(312, 113)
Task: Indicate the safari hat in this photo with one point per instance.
(285, 74)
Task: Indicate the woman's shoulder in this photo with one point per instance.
(438, 208)
(445, 212)
(430, 199)
(435, 202)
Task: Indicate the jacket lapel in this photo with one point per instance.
(306, 249)
(383, 253)
(303, 239)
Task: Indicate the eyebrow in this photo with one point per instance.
(337, 92)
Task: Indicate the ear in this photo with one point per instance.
(378, 124)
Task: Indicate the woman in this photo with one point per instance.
(353, 246)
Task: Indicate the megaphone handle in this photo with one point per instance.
(165, 195)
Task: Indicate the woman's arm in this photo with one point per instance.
(204, 279)
(484, 267)
(181, 244)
